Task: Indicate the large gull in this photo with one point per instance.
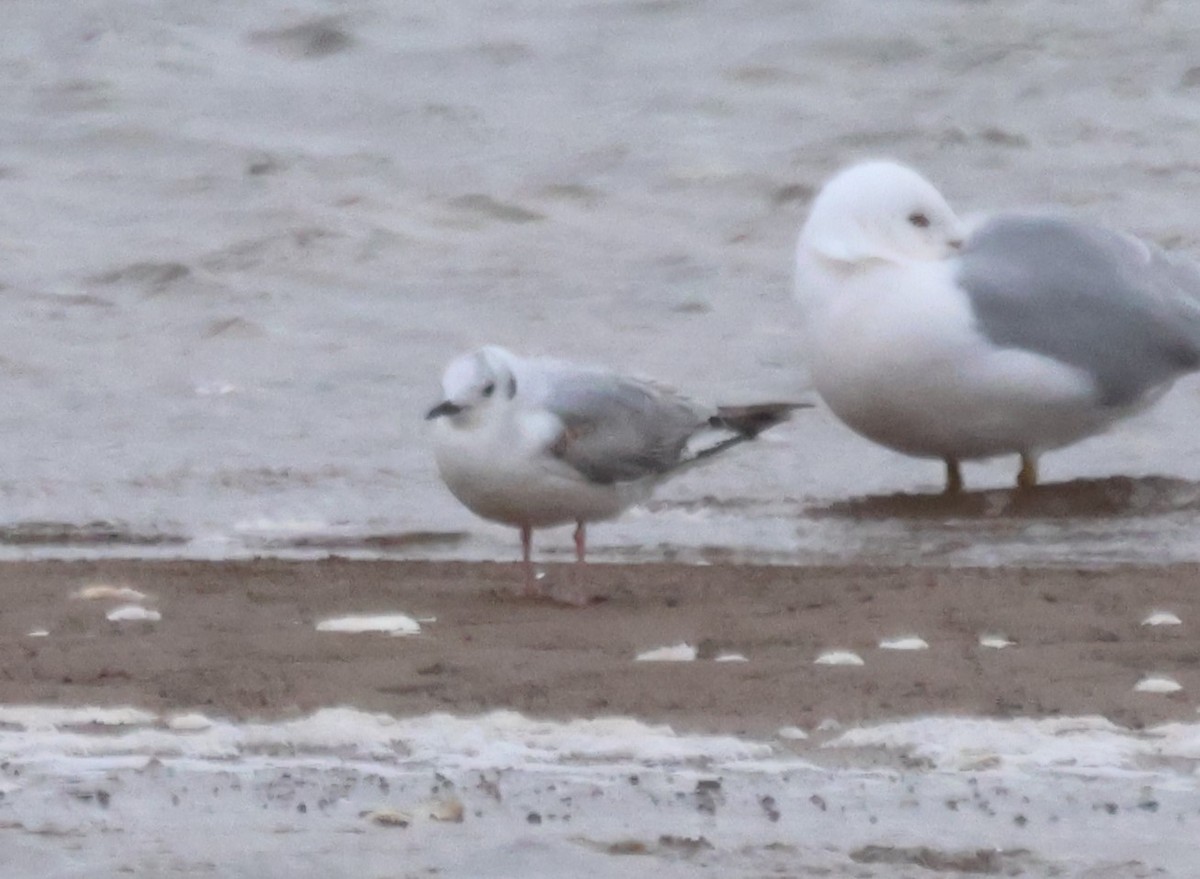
(1021, 334)
(537, 442)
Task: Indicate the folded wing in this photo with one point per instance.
(1125, 311)
(617, 429)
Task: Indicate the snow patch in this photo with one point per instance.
(838, 657)
(132, 612)
(1162, 618)
(1157, 684)
(390, 624)
(906, 642)
(106, 591)
(677, 653)
(995, 641)
(730, 657)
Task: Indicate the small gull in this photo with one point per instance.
(1015, 335)
(537, 442)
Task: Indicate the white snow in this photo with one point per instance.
(838, 657)
(1162, 618)
(390, 624)
(791, 734)
(106, 591)
(132, 612)
(681, 652)
(995, 641)
(907, 642)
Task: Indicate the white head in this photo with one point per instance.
(476, 383)
(880, 211)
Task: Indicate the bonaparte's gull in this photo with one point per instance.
(537, 442)
(1016, 335)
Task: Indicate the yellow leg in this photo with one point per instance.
(1027, 476)
(954, 483)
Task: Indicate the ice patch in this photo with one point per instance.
(1158, 684)
(730, 657)
(1076, 745)
(132, 612)
(37, 633)
(391, 624)
(534, 792)
(1162, 618)
(838, 657)
(192, 722)
(106, 591)
(907, 642)
(499, 740)
(678, 653)
(995, 641)
(40, 718)
(791, 734)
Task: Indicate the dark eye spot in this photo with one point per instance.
(919, 220)
(489, 389)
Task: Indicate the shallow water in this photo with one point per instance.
(239, 242)
(501, 795)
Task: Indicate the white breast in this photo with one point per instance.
(895, 354)
(499, 469)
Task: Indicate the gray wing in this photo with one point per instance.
(1125, 311)
(619, 429)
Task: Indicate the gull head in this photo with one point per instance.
(475, 383)
(880, 211)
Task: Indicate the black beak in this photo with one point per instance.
(443, 408)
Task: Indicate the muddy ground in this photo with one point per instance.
(239, 639)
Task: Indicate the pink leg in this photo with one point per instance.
(531, 587)
(580, 542)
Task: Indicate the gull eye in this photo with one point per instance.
(919, 220)
(489, 389)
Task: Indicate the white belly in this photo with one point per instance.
(903, 365)
(499, 479)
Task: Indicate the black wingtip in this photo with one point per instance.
(750, 421)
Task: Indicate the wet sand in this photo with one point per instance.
(239, 640)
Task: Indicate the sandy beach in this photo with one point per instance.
(240, 640)
(1041, 722)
